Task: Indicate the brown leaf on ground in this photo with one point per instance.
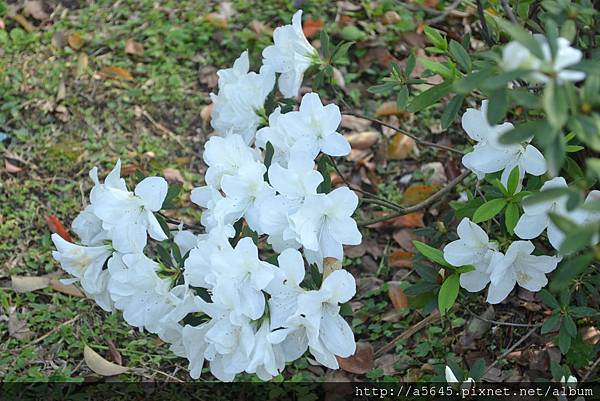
(398, 297)
(35, 8)
(259, 28)
(435, 172)
(363, 140)
(206, 113)
(114, 73)
(28, 283)
(362, 360)
(355, 123)
(100, 365)
(19, 19)
(386, 362)
(411, 220)
(59, 40)
(405, 238)
(173, 175)
(134, 48)
(114, 353)
(67, 289)
(390, 17)
(387, 109)
(217, 20)
(400, 259)
(11, 168)
(312, 26)
(417, 193)
(208, 76)
(57, 227)
(17, 328)
(82, 64)
(75, 40)
(400, 147)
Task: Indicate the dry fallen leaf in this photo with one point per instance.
(259, 28)
(68, 289)
(23, 22)
(398, 297)
(208, 76)
(17, 328)
(311, 27)
(390, 17)
(172, 175)
(330, 265)
(417, 193)
(57, 227)
(11, 168)
(114, 353)
(75, 40)
(363, 140)
(399, 259)
(35, 8)
(387, 109)
(100, 365)
(115, 73)
(217, 20)
(59, 40)
(355, 123)
(400, 147)
(82, 64)
(28, 283)
(362, 360)
(134, 48)
(206, 113)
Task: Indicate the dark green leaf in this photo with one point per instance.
(513, 181)
(448, 293)
(564, 341)
(583, 311)
(433, 254)
(501, 80)
(548, 299)
(429, 97)
(550, 323)
(471, 81)
(497, 106)
(410, 64)
(511, 217)
(460, 55)
(521, 36)
(402, 98)
(569, 325)
(452, 110)
(545, 196)
(555, 104)
(489, 209)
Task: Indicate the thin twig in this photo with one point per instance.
(444, 13)
(497, 322)
(427, 202)
(508, 11)
(484, 27)
(513, 347)
(54, 330)
(433, 317)
(408, 134)
(592, 368)
(178, 223)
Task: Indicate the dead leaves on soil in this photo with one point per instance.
(100, 365)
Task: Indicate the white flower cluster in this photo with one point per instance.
(517, 265)
(516, 56)
(254, 316)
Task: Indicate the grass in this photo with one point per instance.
(64, 118)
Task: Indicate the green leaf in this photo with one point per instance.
(324, 39)
(437, 68)
(511, 217)
(448, 293)
(545, 196)
(460, 55)
(583, 311)
(402, 98)
(436, 38)
(433, 254)
(569, 326)
(523, 132)
(382, 88)
(564, 341)
(522, 36)
(341, 50)
(548, 299)
(352, 33)
(550, 323)
(489, 209)
(429, 97)
(555, 104)
(577, 240)
(513, 181)
(323, 168)
(497, 106)
(471, 81)
(451, 110)
(501, 80)
(410, 64)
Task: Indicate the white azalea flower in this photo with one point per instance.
(285, 287)
(138, 291)
(186, 240)
(221, 212)
(239, 278)
(518, 265)
(241, 96)
(490, 156)
(516, 56)
(129, 216)
(329, 335)
(290, 55)
(246, 190)
(85, 263)
(472, 248)
(299, 180)
(275, 213)
(324, 223)
(225, 156)
(267, 359)
(535, 218)
(280, 134)
(451, 379)
(88, 228)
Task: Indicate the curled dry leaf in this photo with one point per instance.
(100, 365)
(362, 360)
(57, 227)
(134, 48)
(67, 289)
(75, 40)
(390, 17)
(206, 113)
(400, 147)
(19, 19)
(28, 283)
(398, 297)
(82, 64)
(173, 175)
(330, 265)
(363, 140)
(11, 168)
(114, 73)
(387, 109)
(400, 259)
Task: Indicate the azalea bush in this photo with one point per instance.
(260, 281)
(528, 215)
